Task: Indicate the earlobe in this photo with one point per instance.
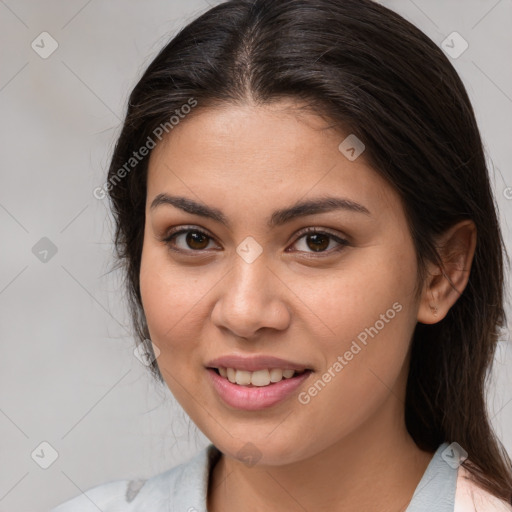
(443, 286)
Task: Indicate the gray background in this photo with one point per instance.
(68, 375)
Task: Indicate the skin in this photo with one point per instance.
(348, 448)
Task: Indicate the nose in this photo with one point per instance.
(252, 298)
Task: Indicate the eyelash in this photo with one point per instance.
(191, 229)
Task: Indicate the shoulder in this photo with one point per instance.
(107, 497)
(185, 482)
(122, 495)
(469, 497)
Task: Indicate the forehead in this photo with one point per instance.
(261, 154)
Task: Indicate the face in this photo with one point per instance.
(329, 289)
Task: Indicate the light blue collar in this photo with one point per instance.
(435, 491)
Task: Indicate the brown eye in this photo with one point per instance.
(315, 241)
(189, 240)
(192, 240)
(319, 241)
(196, 240)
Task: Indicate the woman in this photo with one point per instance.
(315, 264)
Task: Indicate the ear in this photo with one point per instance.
(456, 247)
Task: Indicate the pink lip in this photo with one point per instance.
(256, 397)
(254, 363)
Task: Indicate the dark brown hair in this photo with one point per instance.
(373, 74)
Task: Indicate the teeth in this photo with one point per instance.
(243, 378)
(276, 375)
(257, 378)
(260, 378)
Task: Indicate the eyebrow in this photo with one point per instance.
(278, 217)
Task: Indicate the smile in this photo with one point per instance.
(258, 378)
(251, 397)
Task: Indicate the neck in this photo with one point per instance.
(376, 468)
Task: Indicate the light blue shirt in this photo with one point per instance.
(184, 488)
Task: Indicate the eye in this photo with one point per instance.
(192, 239)
(319, 240)
(196, 240)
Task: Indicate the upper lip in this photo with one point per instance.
(255, 363)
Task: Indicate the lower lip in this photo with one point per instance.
(256, 397)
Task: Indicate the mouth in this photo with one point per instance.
(255, 390)
(259, 378)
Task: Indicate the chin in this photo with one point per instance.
(260, 451)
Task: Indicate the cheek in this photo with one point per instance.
(372, 314)
(174, 299)
(164, 297)
(351, 300)
(170, 301)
